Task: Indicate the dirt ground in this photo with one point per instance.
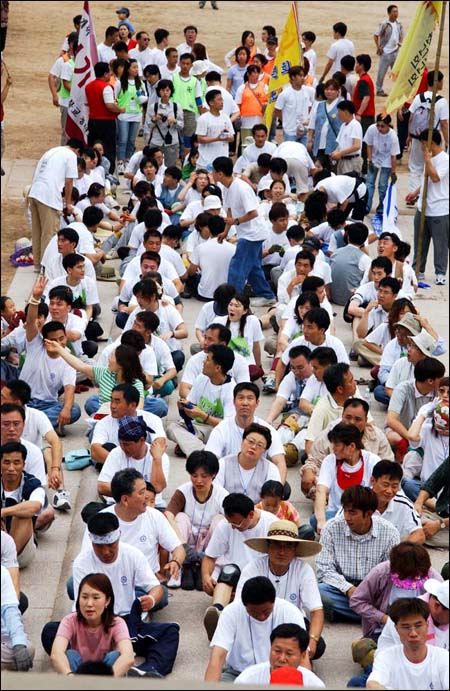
(36, 31)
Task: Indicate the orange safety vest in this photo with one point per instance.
(253, 101)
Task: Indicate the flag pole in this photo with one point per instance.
(430, 134)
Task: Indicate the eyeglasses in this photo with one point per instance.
(406, 628)
(255, 444)
(8, 423)
(238, 525)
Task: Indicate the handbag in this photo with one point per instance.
(78, 459)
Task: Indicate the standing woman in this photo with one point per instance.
(324, 124)
(93, 632)
(247, 40)
(131, 96)
(164, 122)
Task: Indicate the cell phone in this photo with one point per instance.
(42, 271)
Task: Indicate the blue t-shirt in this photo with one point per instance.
(236, 74)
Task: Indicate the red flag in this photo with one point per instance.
(85, 59)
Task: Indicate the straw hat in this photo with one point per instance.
(284, 531)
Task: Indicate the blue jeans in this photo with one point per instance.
(293, 138)
(168, 388)
(313, 520)
(156, 406)
(380, 395)
(411, 488)
(92, 405)
(53, 408)
(126, 135)
(245, 266)
(337, 601)
(383, 183)
(75, 658)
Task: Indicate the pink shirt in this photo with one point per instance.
(92, 644)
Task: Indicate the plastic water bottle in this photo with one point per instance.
(367, 394)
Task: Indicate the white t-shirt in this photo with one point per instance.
(337, 50)
(240, 199)
(147, 358)
(437, 197)
(226, 473)
(298, 585)
(201, 514)
(52, 170)
(172, 257)
(252, 334)
(118, 460)
(348, 132)
(295, 105)
(86, 289)
(384, 145)
(253, 152)
(44, 374)
(146, 532)
(330, 342)
(193, 369)
(226, 438)
(440, 109)
(328, 475)
(393, 670)
(288, 388)
(205, 317)
(246, 639)
(55, 269)
(169, 319)
(313, 390)
(9, 597)
(213, 258)
(133, 270)
(214, 399)
(130, 570)
(229, 104)
(228, 543)
(209, 125)
(259, 674)
(339, 188)
(37, 425)
(106, 430)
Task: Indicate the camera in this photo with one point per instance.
(163, 118)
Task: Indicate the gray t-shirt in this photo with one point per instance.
(406, 400)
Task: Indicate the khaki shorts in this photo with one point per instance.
(27, 554)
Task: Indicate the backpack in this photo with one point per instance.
(420, 118)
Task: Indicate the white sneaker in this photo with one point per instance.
(421, 276)
(262, 302)
(120, 167)
(61, 500)
(440, 280)
(269, 384)
(174, 582)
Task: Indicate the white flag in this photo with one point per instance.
(390, 210)
(85, 59)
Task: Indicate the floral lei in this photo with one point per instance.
(409, 583)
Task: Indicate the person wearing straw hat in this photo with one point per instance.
(293, 578)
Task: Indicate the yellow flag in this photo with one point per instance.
(412, 58)
(288, 55)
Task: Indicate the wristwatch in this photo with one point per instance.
(237, 222)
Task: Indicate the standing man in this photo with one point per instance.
(56, 170)
(364, 98)
(436, 210)
(242, 211)
(341, 46)
(214, 130)
(103, 112)
(388, 40)
(293, 106)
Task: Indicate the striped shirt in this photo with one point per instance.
(346, 557)
(107, 380)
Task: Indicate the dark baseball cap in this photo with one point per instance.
(311, 243)
(123, 10)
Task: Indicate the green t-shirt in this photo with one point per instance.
(107, 380)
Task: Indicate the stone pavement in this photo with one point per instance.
(44, 581)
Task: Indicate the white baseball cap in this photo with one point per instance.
(438, 590)
(198, 68)
(211, 202)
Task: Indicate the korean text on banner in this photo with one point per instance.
(85, 59)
